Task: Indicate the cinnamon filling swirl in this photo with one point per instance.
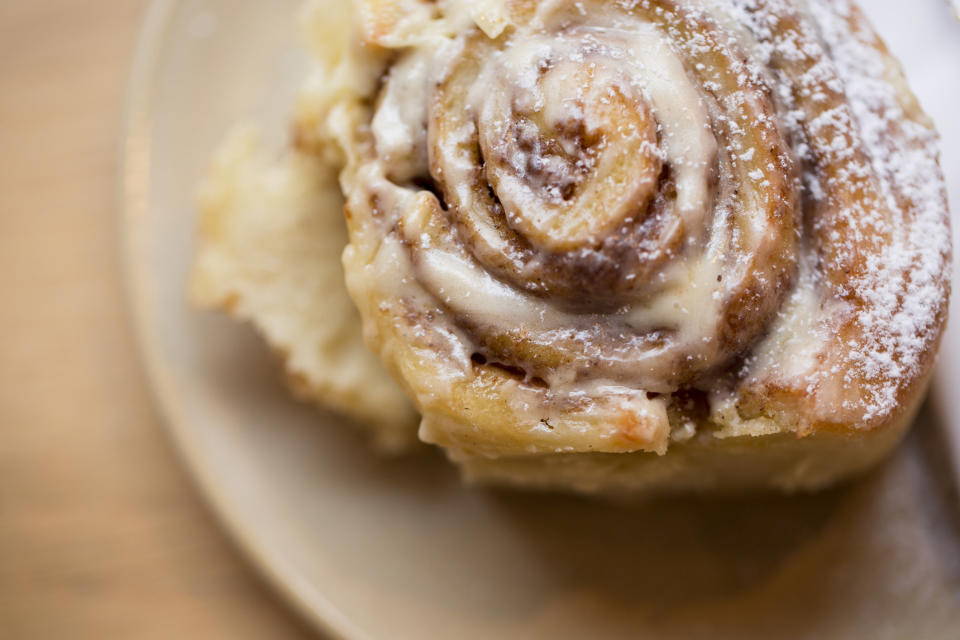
(601, 178)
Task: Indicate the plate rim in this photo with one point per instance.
(133, 208)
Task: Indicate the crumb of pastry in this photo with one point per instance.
(271, 233)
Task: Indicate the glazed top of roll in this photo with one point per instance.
(594, 226)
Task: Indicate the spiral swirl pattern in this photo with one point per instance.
(581, 226)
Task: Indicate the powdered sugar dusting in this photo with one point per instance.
(896, 224)
(905, 286)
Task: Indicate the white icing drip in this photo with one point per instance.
(689, 303)
(790, 349)
(399, 125)
(469, 290)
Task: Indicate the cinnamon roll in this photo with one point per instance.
(637, 244)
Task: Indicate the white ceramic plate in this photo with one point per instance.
(398, 549)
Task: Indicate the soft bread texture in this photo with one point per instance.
(271, 232)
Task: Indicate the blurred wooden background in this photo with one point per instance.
(101, 533)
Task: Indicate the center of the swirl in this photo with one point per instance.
(571, 156)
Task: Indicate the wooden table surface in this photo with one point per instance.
(102, 534)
